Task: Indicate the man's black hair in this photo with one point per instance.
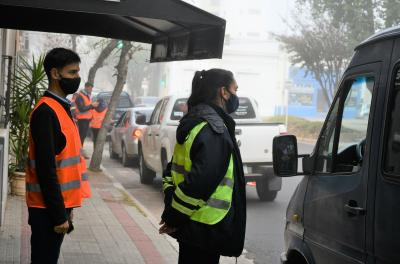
(59, 58)
(88, 84)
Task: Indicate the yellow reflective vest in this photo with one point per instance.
(217, 206)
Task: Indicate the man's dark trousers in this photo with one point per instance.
(45, 243)
(83, 126)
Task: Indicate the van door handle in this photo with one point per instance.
(353, 210)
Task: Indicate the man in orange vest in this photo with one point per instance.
(83, 109)
(56, 177)
(73, 106)
(98, 115)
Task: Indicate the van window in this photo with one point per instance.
(342, 143)
(392, 144)
(245, 109)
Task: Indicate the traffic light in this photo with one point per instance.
(120, 44)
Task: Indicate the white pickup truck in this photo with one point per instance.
(253, 137)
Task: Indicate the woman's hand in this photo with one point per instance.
(165, 229)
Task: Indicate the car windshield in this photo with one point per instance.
(245, 110)
(124, 100)
(146, 101)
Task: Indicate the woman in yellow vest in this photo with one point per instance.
(98, 115)
(204, 186)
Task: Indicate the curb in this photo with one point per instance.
(142, 209)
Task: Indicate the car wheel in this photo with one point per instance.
(113, 155)
(125, 159)
(146, 175)
(164, 161)
(263, 192)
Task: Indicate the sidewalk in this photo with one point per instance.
(111, 227)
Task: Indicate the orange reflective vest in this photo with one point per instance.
(87, 101)
(97, 118)
(70, 165)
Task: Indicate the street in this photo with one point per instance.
(265, 220)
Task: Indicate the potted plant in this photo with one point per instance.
(28, 84)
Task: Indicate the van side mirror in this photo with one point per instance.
(141, 120)
(285, 156)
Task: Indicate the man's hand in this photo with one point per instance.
(62, 229)
(165, 229)
(95, 104)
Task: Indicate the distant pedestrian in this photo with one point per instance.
(73, 106)
(56, 177)
(204, 185)
(98, 115)
(83, 114)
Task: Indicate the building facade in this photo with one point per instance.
(250, 52)
(8, 51)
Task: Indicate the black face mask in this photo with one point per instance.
(232, 104)
(69, 85)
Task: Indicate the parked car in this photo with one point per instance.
(254, 139)
(125, 134)
(145, 101)
(123, 105)
(346, 207)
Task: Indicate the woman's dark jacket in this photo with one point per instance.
(210, 155)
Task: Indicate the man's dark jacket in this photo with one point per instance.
(210, 155)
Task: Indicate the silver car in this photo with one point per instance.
(125, 134)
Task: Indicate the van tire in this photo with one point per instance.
(263, 192)
(146, 175)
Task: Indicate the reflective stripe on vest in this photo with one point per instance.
(35, 187)
(60, 163)
(86, 101)
(217, 206)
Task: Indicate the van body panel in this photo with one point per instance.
(387, 195)
(352, 216)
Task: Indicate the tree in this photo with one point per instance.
(389, 12)
(319, 49)
(74, 40)
(109, 46)
(127, 51)
(323, 45)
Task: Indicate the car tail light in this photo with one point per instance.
(137, 133)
